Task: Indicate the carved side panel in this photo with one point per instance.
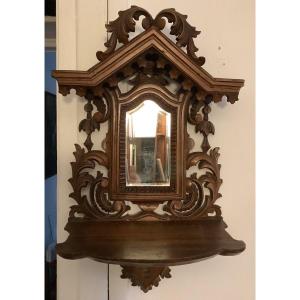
(197, 203)
(96, 204)
(202, 189)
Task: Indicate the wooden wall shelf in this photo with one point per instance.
(148, 244)
(178, 222)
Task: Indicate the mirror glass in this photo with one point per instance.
(148, 152)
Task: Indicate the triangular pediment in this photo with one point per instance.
(150, 39)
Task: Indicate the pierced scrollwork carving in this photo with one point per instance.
(197, 204)
(205, 127)
(92, 121)
(121, 27)
(149, 67)
(96, 204)
(152, 67)
(125, 23)
(184, 32)
(201, 191)
(201, 122)
(89, 125)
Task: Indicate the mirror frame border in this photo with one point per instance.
(178, 107)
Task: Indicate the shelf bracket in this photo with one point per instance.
(145, 277)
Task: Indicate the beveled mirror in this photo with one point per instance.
(147, 152)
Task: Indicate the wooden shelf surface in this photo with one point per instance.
(156, 243)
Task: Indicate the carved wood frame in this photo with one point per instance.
(176, 107)
(148, 62)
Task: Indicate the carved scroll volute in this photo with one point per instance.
(97, 205)
(121, 27)
(197, 204)
(125, 23)
(184, 32)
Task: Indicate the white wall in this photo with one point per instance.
(227, 42)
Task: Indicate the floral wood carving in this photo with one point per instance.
(145, 277)
(125, 23)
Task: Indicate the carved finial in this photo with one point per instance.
(125, 23)
(184, 32)
(121, 27)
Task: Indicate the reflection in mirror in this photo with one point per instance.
(148, 152)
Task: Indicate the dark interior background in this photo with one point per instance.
(50, 156)
(50, 7)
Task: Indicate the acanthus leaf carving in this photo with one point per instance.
(184, 32)
(121, 27)
(97, 205)
(197, 204)
(125, 23)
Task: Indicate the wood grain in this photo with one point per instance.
(148, 244)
